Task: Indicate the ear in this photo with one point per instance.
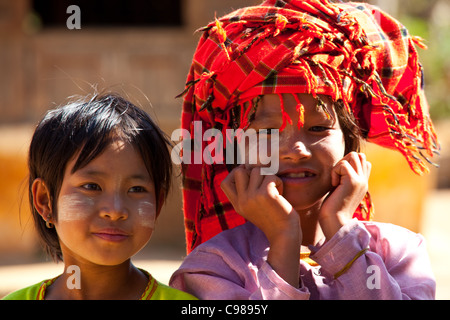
(42, 200)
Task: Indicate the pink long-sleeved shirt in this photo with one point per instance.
(233, 265)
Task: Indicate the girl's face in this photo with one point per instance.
(106, 210)
(306, 155)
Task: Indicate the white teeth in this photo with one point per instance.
(299, 175)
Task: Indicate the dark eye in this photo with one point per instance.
(137, 189)
(91, 187)
(318, 128)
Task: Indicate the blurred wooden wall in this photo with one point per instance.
(42, 66)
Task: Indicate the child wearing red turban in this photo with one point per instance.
(323, 76)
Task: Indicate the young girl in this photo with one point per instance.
(326, 75)
(100, 171)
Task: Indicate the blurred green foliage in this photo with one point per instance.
(429, 19)
(436, 64)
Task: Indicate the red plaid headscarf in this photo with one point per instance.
(352, 52)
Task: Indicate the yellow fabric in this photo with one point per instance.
(154, 291)
(305, 257)
(158, 291)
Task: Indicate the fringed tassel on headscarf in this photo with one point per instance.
(284, 114)
(301, 112)
(221, 37)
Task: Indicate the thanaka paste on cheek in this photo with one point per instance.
(147, 214)
(73, 207)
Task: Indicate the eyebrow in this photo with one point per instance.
(102, 174)
(267, 116)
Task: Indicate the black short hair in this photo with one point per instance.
(86, 127)
(349, 126)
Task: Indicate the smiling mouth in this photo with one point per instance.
(111, 235)
(304, 174)
(292, 174)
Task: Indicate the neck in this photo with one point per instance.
(97, 282)
(311, 231)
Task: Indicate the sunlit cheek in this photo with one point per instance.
(259, 150)
(74, 207)
(334, 147)
(147, 214)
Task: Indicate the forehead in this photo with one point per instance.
(270, 105)
(115, 155)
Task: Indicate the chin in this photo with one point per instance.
(302, 202)
(109, 259)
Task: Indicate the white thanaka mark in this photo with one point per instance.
(147, 214)
(74, 207)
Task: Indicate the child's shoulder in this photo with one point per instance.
(28, 293)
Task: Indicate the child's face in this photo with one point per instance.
(106, 210)
(306, 155)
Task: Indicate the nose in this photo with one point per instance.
(114, 208)
(293, 145)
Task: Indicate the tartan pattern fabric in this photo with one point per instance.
(352, 52)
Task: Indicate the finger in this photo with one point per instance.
(335, 177)
(255, 179)
(273, 185)
(250, 166)
(362, 157)
(228, 186)
(355, 159)
(366, 165)
(341, 169)
(242, 179)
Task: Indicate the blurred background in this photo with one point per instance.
(143, 49)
